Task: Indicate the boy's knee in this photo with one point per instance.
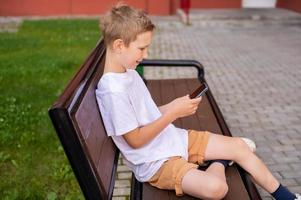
(240, 143)
(217, 189)
(242, 148)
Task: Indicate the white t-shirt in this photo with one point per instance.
(125, 104)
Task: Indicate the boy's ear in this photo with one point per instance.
(118, 45)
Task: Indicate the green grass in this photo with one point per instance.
(36, 64)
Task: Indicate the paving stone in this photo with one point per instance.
(122, 183)
(289, 182)
(296, 189)
(296, 166)
(121, 191)
(122, 168)
(119, 198)
(280, 167)
(284, 148)
(291, 174)
(124, 175)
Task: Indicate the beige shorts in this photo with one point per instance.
(171, 173)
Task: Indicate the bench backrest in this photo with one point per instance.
(92, 155)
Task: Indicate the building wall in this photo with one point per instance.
(290, 4)
(76, 7)
(216, 4)
(207, 4)
(62, 7)
(96, 7)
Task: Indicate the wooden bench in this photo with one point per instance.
(92, 154)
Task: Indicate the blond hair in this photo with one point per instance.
(124, 22)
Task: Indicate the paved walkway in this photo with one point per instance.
(252, 63)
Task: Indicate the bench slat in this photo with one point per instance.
(167, 91)
(155, 193)
(155, 91)
(182, 88)
(235, 184)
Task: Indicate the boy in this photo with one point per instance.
(154, 149)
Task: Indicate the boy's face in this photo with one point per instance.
(136, 51)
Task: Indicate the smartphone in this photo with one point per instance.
(199, 91)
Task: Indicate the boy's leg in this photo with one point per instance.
(232, 148)
(182, 176)
(217, 169)
(196, 182)
(204, 185)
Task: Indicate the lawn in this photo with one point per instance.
(36, 64)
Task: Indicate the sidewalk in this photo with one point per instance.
(244, 17)
(252, 63)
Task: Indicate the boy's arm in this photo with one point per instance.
(180, 107)
(142, 135)
(163, 108)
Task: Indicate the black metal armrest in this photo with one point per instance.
(175, 63)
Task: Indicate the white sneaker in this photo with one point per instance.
(298, 196)
(251, 145)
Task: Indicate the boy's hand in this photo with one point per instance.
(183, 106)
